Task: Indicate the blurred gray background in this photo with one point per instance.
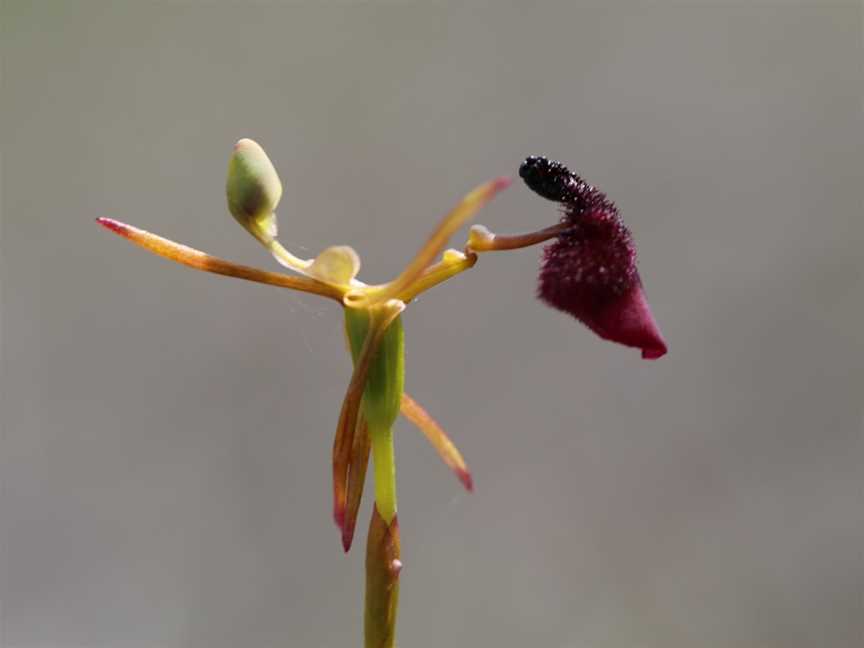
(167, 433)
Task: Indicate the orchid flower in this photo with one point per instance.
(589, 271)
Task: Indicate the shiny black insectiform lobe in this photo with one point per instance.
(547, 178)
(554, 181)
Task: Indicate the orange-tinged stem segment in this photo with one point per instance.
(466, 209)
(359, 462)
(482, 240)
(436, 435)
(383, 565)
(202, 261)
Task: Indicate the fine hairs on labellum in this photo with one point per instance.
(589, 270)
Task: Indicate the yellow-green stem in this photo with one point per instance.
(385, 471)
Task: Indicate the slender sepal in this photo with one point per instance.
(198, 260)
(435, 434)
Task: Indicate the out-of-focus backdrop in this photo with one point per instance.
(167, 433)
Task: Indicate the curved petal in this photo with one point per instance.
(435, 434)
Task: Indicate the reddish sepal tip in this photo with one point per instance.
(502, 182)
(466, 479)
(347, 537)
(339, 516)
(113, 225)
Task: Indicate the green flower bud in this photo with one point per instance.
(253, 190)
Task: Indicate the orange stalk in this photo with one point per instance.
(482, 240)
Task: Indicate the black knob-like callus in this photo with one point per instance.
(547, 178)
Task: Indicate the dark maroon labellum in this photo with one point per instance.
(589, 271)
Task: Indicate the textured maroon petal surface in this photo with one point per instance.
(628, 320)
(589, 271)
(593, 277)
